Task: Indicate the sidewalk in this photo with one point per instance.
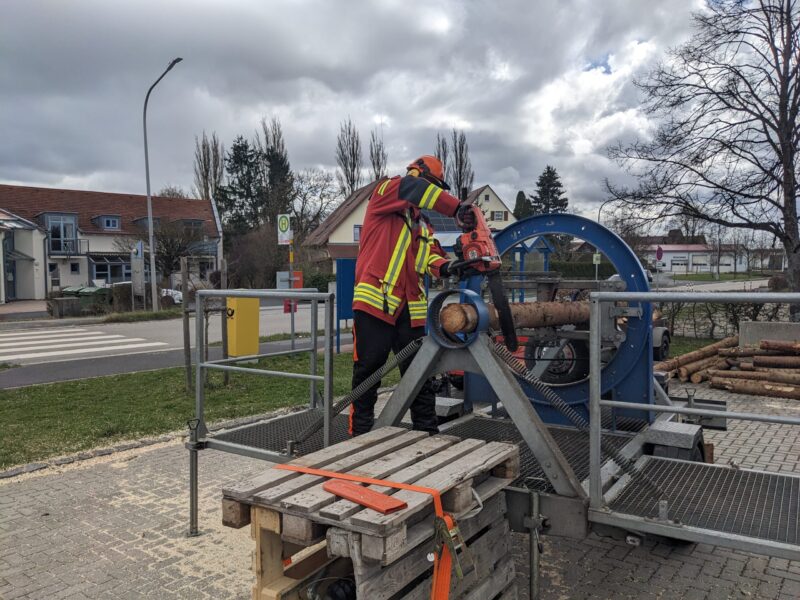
(114, 527)
(21, 310)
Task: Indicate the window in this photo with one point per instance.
(356, 233)
(75, 268)
(63, 231)
(55, 276)
(193, 229)
(110, 222)
(486, 197)
(497, 215)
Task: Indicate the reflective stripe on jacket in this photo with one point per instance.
(397, 248)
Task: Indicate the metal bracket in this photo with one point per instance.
(626, 311)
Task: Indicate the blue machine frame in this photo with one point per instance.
(629, 375)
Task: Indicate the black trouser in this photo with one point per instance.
(374, 340)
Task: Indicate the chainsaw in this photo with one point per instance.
(477, 255)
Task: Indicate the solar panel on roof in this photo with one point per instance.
(441, 224)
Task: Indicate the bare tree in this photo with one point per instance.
(443, 154)
(209, 166)
(277, 179)
(461, 174)
(348, 157)
(377, 155)
(315, 197)
(726, 148)
(172, 191)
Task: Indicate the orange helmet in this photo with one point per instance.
(431, 169)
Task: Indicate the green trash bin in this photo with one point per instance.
(71, 290)
(91, 296)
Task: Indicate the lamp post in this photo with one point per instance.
(153, 290)
(599, 210)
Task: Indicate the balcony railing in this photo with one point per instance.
(68, 246)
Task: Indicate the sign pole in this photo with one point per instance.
(292, 304)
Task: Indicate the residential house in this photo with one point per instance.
(54, 238)
(338, 236)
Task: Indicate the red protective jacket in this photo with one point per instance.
(397, 248)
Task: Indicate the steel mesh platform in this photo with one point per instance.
(573, 444)
(735, 501)
(273, 435)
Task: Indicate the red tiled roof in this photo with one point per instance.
(319, 237)
(30, 202)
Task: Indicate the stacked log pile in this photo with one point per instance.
(770, 369)
(694, 366)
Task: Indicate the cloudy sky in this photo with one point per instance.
(531, 82)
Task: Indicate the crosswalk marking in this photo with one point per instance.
(81, 351)
(53, 344)
(117, 339)
(41, 342)
(43, 332)
(49, 337)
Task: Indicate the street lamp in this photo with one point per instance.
(601, 208)
(153, 291)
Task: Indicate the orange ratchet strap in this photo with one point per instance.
(442, 565)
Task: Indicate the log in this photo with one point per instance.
(747, 351)
(771, 370)
(704, 352)
(746, 366)
(791, 362)
(463, 318)
(757, 388)
(720, 366)
(775, 377)
(686, 370)
(781, 345)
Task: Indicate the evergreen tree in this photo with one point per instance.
(550, 196)
(239, 201)
(278, 180)
(522, 207)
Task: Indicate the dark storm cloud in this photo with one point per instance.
(532, 83)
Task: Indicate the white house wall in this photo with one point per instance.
(30, 273)
(490, 203)
(343, 234)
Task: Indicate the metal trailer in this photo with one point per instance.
(567, 487)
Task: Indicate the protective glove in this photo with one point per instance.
(448, 269)
(465, 216)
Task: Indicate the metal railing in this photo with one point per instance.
(198, 431)
(229, 364)
(68, 246)
(596, 403)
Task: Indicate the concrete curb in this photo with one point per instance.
(45, 323)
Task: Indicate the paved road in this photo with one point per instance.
(67, 370)
(58, 343)
(114, 527)
(739, 285)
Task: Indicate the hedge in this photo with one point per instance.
(582, 270)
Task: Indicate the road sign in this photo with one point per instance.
(597, 257)
(659, 253)
(285, 235)
(137, 269)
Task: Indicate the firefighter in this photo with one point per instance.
(397, 249)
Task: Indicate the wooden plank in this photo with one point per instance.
(501, 577)
(398, 575)
(443, 480)
(246, 489)
(487, 551)
(267, 559)
(343, 509)
(388, 549)
(316, 497)
(272, 495)
(510, 593)
(301, 531)
(235, 514)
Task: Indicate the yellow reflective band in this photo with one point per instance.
(372, 292)
(424, 250)
(367, 300)
(427, 195)
(382, 189)
(398, 257)
(434, 197)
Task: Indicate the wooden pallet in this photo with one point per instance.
(292, 511)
